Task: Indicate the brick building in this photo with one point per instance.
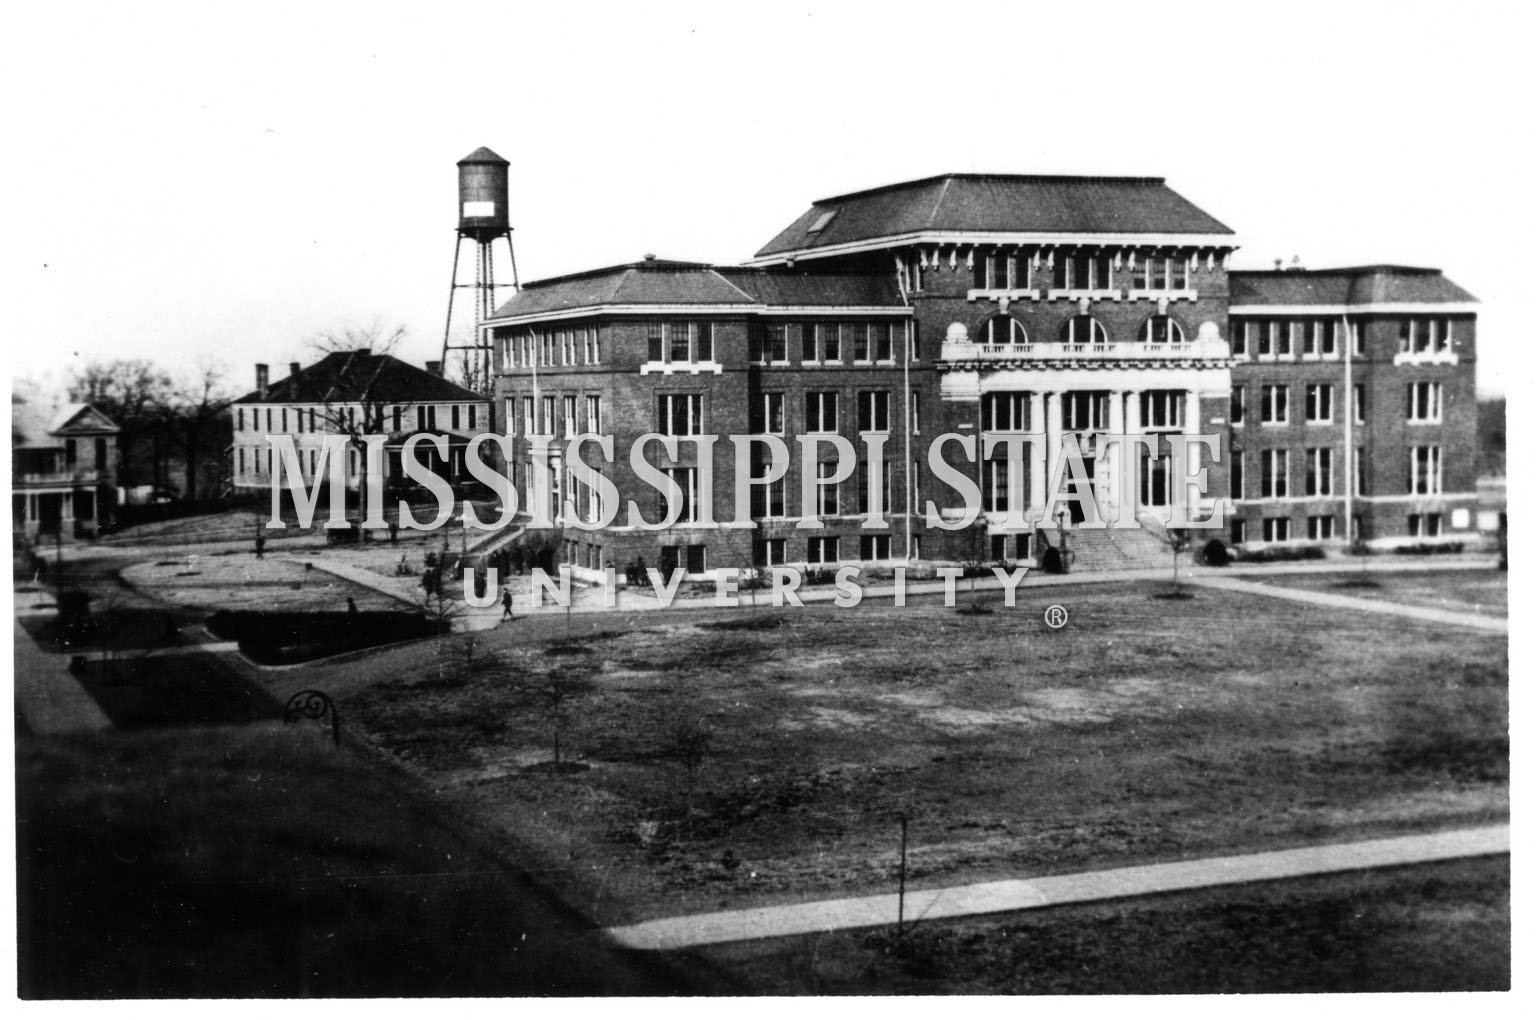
(994, 306)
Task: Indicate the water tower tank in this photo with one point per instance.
(483, 193)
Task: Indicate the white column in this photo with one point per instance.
(1037, 478)
(1110, 472)
(1052, 443)
(1192, 493)
(1133, 428)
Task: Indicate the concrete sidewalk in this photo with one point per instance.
(1057, 890)
(1475, 621)
(51, 699)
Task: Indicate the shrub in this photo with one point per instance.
(1214, 553)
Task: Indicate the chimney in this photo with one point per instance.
(435, 367)
(261, 381)
(293, 368)
(365, 352)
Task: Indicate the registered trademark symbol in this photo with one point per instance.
(1055, 617)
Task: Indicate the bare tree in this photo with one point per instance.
(199, 404)
(373, 335)
(135, 393)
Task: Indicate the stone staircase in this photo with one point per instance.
(1101, 549)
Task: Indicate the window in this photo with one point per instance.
(1359, 462)
(1003, 329)
(769, 416)
(1236, 476)
(1003, 412)
(568, 414)
(767, 497)
(704, 341)
(860, 342)
(999, 272)
(1359, 403)
(1274, 404)
(1162, 409)
(767, 552)
(821, 411)
(1424, 336)
(1424, 470)
(677, 341)
(1163, 273)
(880, 339)
(831, 342)
(240, 456)
(875, 411)
(917, 417)
(395, 416)
(1275, 466)
(547, 410)
(240, 419)
(1319, 338)
(1319, 403)
(1239, 404)
(1237, 534)
(1083, 329)
(1424, 402)
(874, 547)
(595, 415)
(453, 417)
(1162, 329)
(654, 341)
(1240, 339)
(1081, 271)
(1320, 472)
(861, 479)
(807, 342)
(1424, 525)
(994, 489)
(530, 428)
(1320, 529)
(1277, 529)
(1262, 336)
(679, 414)
(829, 496)
(821, 550)
(773, 344)
(1084, 410)
(687, 480)
(70, 453)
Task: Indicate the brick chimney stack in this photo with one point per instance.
(261, 381)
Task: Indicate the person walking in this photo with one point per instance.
(506, 603)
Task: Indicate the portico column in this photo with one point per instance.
(1037, 479)
(1111, 470)
(1133, 428)
(1192, 428)
(1052, 444)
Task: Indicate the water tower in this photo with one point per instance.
(482, 221)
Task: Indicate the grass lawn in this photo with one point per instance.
(262, 861)
(1461, 591)
(1146, 730)
(1438, 927)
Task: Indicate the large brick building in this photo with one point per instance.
(994, 306)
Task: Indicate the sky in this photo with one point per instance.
(203, 187)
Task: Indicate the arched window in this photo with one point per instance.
(1003, 329)
(1083, 329)
(1162, 329)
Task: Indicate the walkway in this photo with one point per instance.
(1057, 890)
(1476, 621)
(52, 700)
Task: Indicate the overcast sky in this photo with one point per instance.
(189, 185)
